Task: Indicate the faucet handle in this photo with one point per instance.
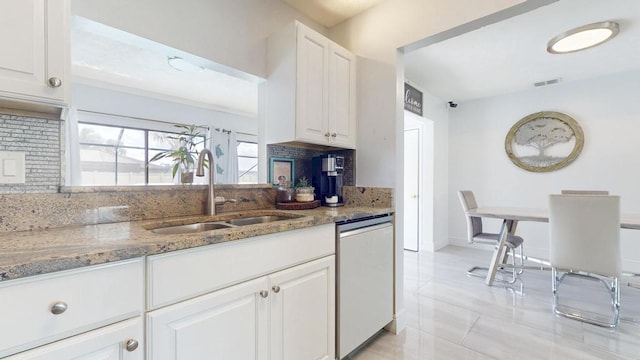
(220, 200)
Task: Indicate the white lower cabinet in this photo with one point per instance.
(269, 297)
(225, 324)
(47, 308)
(303, 311)
(121, 341)
(287, 315)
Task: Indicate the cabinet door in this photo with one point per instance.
(303, 311)
(342, 97)
(227, 324)
(32, 36)
(121, 341)
(312, 86)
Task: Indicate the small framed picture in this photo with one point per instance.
(280, 170)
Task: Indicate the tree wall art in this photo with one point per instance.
(544, 141)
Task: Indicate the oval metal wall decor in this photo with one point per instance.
(544, 141)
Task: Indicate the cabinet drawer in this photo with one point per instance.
(185, 274)
(123, 341)
(94, 296)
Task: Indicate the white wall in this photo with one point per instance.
(376, 137)
(607, 108)
(229, 32)
(436, 111)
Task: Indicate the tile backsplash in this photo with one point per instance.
(40, 140)
(302, 160)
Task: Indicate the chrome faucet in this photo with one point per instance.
(211, 197)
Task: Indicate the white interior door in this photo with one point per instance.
(412, 170)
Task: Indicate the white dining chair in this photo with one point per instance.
(476, 234)
(584, 192)
(584, 242)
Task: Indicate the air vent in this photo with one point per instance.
(548, 82)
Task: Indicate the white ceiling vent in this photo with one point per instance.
(548, 82)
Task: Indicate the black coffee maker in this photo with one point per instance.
(327, 179)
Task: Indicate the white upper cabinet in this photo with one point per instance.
(312, 86)
(34, 42)
(342, 97)
(310, 90)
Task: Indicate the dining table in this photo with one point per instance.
(511, 216)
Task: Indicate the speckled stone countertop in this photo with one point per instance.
(28, 253)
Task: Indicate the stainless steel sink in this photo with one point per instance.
(221, 224)
(192, 228)
(258, 219)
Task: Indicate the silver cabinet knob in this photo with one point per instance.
(327, 134)
(334, 135)
(58, 308)
(131, 344)
(55, 82)
(276, 289)
(264, 293)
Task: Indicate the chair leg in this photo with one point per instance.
(505, 260)
(471, 271)
(613, 290)
(521, 259)
(514, 270)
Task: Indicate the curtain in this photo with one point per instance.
(225, 153)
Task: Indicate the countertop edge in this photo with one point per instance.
(31, 253)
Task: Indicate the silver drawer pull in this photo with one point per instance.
(55, 82)
(131, 344)
(58, 308)
(276, 289)
(264, 293)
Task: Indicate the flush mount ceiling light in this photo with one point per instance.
(181, 64)
(583, 37)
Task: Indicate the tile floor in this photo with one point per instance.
(453, 316)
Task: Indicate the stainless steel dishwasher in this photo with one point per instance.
(364, 280)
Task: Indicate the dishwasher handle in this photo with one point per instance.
(345, 234)
(349, 225)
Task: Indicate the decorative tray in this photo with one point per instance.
(298, 205)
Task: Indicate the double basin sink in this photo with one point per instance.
(221, 224)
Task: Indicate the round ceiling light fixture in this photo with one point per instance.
(583, 37)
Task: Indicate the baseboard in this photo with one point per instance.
(398, 323)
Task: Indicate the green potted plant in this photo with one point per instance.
(304, 190)
(184, 153)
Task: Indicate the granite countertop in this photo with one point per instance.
(28, 253)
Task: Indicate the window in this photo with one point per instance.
(116, 155)
(247, 162)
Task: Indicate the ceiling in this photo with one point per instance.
(511, 56)
(108, 57)
(331, 12)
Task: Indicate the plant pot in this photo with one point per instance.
(186, 177)
(305, 194)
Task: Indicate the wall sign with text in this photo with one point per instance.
(412, 99)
